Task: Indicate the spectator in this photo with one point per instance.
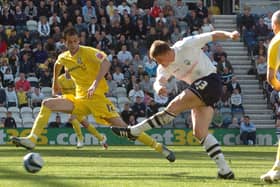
(224, 63)
(43, 28)
(155, 9)
(160, 100)
(8, 77)
(226, 76)
(207, 26)
(236, 102)
(217, 120)
(136, 91)
(247, 132)
(123, 7)
(146, 85)
(37, 97)
(11, 96)
(88, 11)
(57, 123)
(45, 79)
(201, 11)
(131, 120)
(139, 107)
(10, 121)
(20, 19)
(7, 18)
(22, 83)
(181, 10)
(262, 30)
(149, 21)
(3, 97)
(152, 108)
(118, 76)
(261, 70)
(194, 23)
(31, 10)
(110, 8)
(42, 9)
(124, 54)
(126, 112)
(214, 8)
(234, 124)
(234, 84)
(2, 122)
(80, 26)
(22, 98)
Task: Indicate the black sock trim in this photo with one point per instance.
(157, 120)
(212, 147)
(170, 114)
(215, 153)
(151, 123)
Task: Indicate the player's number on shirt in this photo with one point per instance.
(110, 108)
(200, 85)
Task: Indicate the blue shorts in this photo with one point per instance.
(208, 89)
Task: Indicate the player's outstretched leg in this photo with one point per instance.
(273, 175)
(213, 149)
(155, 121)
(39, 124)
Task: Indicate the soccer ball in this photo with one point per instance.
(33, 162)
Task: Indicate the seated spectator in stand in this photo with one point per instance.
(22, 98)
(37, 97)
(262, 30)
(118, 76)
(247, 131)
(207, 26)
(261, 70)
(226, 76)
(23, 83)
(131, 120)
(218, 52)
(45, 79)
(217, 120)
(224, 63)
(136, 91)
(234, 123)
(234, 84)
(146, 85)
(194, 22)
(3, 97)
(10, 121)
(112, 85)
(139, 107)
(152, 108)
(57, 123)
(2, 122)
(8, 77)
(127, 111)
(236, 102)
(160, 100)
(11, 96)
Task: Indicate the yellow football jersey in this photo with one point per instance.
(83, 68)
(67, 85)
(274, 52)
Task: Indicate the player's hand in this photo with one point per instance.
(91, 91)
(235, 35)
(162, 91)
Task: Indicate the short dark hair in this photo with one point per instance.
(157, 48)
(246, 116)
(71, 31)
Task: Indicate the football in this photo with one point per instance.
(33, 162)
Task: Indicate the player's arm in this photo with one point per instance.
(161, 82)
(224, 35)
(56, 72)
(104, 68)
(273, 61)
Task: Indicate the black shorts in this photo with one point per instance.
(208, 89)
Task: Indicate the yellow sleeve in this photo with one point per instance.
(99, 55)
(273, 54)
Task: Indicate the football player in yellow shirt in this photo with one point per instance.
(272, 69)
(87, 67)
(67, 87)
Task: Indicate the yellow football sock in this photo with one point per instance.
(94, 132)
(77, 129)
(40, 123)
(148, 140)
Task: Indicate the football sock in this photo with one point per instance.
(213, 149)
(94, 132)
(39, 124)
(155, 121)
(77, 129)
(149, 141)
(278, 133)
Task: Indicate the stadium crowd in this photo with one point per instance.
(31, 38)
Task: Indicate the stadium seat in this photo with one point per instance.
(26, 112)
(161, 109)
(91, 119)
(140, 119)
(27, 122)
(18, 121)
(122, 101)
(33, 81)
(120, 92)
(53, 116)
(47, 91)
(64, 117)
(3, 112)
(36, 110)
(179, 122)
(114, 100)
(15, 111)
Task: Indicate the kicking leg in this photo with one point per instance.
(145, 139)
(48, 105)
(201, 117)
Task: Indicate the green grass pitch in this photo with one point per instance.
(133, 166)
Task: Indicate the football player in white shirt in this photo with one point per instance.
(187, 62)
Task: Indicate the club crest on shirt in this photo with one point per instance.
(79, 60)
(187, 62)
(99, 56)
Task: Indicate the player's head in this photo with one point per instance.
(161, 53)
(275, 21)
(71, 39)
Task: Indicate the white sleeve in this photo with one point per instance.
(161, 79)
(197, 40)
